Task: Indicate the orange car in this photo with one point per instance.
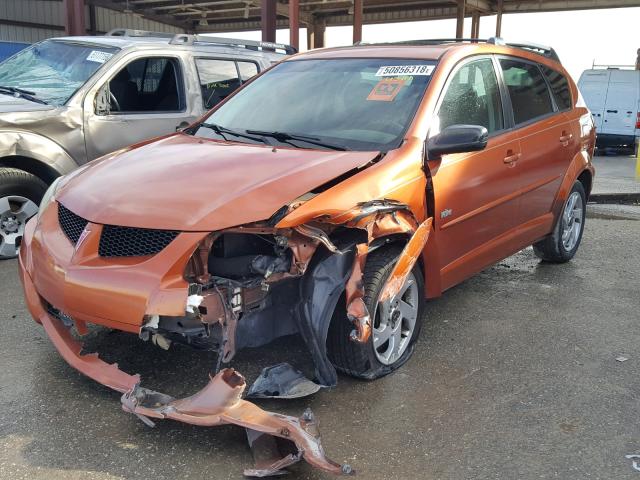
(329, 197)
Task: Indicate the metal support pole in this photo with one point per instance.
(294, 23)
(460, 19)
(357, 21)
(499, 19)
(315, 33)
(74, 17)
(475, 25)
(268, 20)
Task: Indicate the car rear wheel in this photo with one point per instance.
(395, 324)
(20, 194)
(563, 243)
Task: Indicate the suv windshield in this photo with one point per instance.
(350, 104)
(53, 70)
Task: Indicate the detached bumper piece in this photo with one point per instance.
(277, 441)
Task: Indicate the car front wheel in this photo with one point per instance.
(395, 324)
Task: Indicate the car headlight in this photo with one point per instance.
(49, 196)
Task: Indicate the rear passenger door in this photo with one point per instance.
(219, 78)
(475, 201)
(546, 140)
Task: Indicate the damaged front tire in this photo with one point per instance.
(395, 324)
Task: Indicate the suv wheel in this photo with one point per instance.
(396, 323)
(563, 243)
(20, 194)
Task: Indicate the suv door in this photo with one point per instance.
(144, 98)
(475, 202)
(546, 140)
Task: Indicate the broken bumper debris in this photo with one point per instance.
(277, 441)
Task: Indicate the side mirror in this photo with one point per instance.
(102, 102)
(457, 139)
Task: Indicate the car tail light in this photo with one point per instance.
(638, 120)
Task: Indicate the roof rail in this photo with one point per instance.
(595, 66)
(532, 47)
(128, 32)
(187, 39)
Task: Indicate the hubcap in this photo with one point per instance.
(15, 211)
(572, 221)
(394, 323)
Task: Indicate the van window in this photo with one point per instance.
(473, 98)
(247, 70)
(146, 85)
(559, 87)
(530, 97)
(218, 79)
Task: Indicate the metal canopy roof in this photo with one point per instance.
(239, 15)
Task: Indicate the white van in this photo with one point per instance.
(613, 96)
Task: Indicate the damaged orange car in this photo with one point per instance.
(330, 197)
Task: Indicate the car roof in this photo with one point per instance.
(124, 42)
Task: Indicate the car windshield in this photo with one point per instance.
(345, 104)
(53, 70)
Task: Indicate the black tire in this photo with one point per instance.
(359, 359)
(551, 248)
(14, 182)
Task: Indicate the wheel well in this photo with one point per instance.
(585, 179)
(30, 165)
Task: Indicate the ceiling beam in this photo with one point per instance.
(148, 14)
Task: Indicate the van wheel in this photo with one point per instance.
(563, 243)
(20, 194)
(396, 324)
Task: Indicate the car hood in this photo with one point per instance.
(9, 103)
(188, 183)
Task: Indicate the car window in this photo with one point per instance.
(146, 85)
(356, 104)
(530, 97)
(559, 87)
(473, 98)
(218, 79)
(247, 70)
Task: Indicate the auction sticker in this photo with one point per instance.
(98, 56)
(395, 70)
(386, 90)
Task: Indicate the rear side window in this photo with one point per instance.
(530, 97)
(559, 87)
(219, 78)
(473, 98)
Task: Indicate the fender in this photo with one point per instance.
(38, 147)
(581, 162)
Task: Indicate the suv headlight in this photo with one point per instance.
(49, 196)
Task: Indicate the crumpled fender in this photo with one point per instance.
(38, 147)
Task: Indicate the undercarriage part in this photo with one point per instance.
(282, 381)
(219, 403)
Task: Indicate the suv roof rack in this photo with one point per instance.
(532, 47)
(188, 39)
(596, 66)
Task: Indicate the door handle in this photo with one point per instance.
(612, 111)
(565, 138)
(182, 126)
(511, 157)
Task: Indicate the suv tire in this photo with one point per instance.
(20, 195)
(361, 360)
(563, 243)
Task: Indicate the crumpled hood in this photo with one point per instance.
(188, 183)
(9, 103)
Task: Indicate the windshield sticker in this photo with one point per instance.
(98, 56)
(395, 70)
(386, 90)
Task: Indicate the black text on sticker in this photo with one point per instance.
(392, 71)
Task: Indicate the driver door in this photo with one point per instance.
(143, 98)
(475, 193)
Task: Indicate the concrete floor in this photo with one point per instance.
(515, 376)
(616, 174)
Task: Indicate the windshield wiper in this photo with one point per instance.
(26, 94)
(223, 131)
(288, 137)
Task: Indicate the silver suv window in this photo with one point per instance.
(219, 78)
(53, 70)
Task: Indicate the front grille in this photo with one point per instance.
(72, 225)
(133, 242)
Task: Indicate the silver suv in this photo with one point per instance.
(66, 101)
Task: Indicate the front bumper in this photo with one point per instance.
(277, 441)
